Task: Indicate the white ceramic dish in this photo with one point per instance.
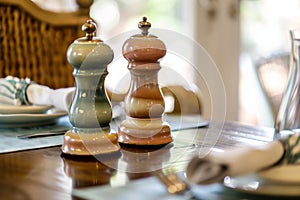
(28, 120)
(253, 184)
(32, 109)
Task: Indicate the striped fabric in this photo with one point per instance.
(292, 149)
(13, 90)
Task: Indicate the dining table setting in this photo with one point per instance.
(252, 165)
(212, 159)
(76, 143)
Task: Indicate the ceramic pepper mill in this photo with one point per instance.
(90, 113)
(144, 103)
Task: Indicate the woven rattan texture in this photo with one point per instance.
(35, 49)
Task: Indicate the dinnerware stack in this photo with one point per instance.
(12, 116)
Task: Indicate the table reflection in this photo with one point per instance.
(143, 160)
(117, 168)
(88, 170)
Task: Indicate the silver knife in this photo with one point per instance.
(42, 134)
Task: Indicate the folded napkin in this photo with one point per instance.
(41, 95)
(15, 91)
(234, 162)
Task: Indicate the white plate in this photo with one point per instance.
(28, 120)
(289, 174)
(32, 109)
(253, 184)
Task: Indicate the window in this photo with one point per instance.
(265, 26)
(116, 17)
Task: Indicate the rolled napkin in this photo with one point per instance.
(59, 98)
(16, 91)
(234, 162)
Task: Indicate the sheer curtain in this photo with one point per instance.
(217, 29)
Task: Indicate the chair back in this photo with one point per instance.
(34, 42)
(272, 74)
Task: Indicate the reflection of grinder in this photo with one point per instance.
(144, 103)
(144, 160)
(90, 112)
(88, 171)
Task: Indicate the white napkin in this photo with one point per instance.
(234, 162)
(15, 91)
(42, 95)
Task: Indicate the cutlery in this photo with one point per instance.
(175, 185)
(41, 134)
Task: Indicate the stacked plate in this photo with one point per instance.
(283, 180)
(27, 116)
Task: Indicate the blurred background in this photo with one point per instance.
(237, 34)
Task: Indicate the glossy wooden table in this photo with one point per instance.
(48, 174)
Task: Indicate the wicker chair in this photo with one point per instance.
(33, 41)
(272, 73)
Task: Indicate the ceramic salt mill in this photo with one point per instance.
(90, 113)
(144, 103)
(288, 117)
